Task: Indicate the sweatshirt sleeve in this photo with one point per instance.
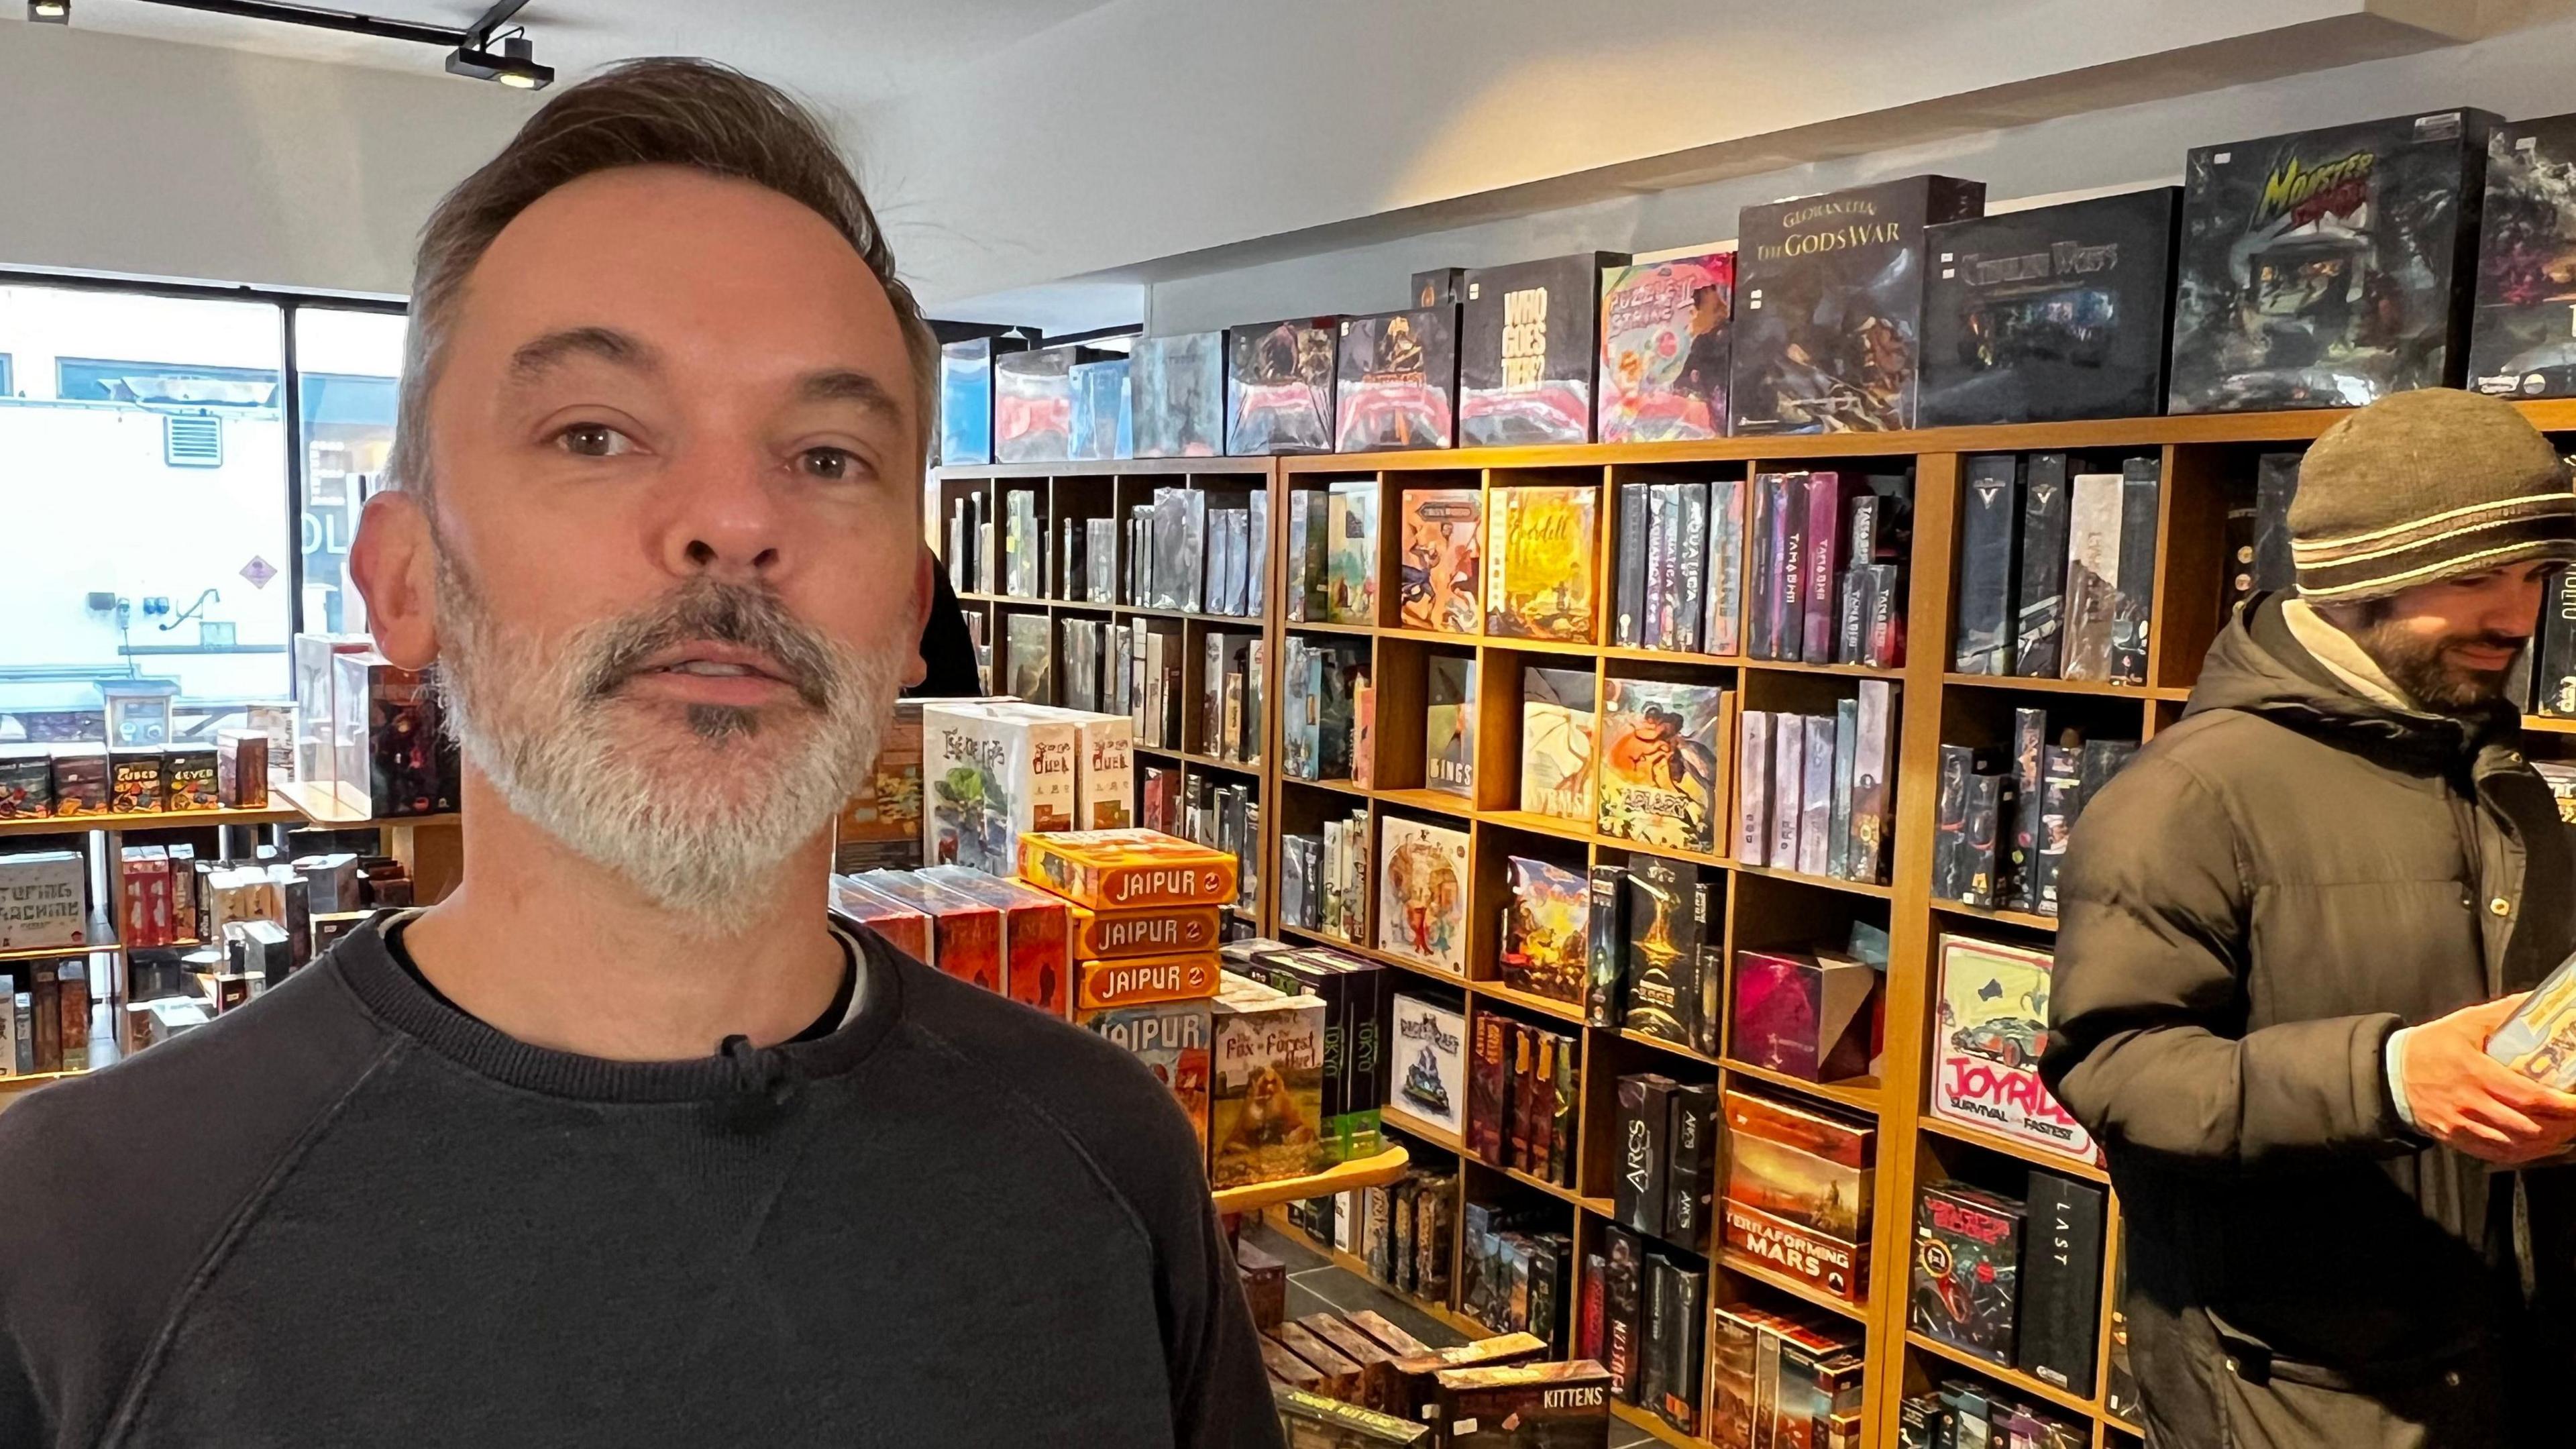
(1220, 1392)
(2147, 1044)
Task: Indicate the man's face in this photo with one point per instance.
(2449, 644)
(674, 473)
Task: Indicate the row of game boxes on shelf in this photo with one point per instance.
(1405, 1232)
(2001, 824)
(1366, 1361)
(47, 1026)
(170, 896)
(1643, 1315)
(42, 781)
(2057, 568)
(370, 731)
(1135, 669)
(1815, 574)
(1484, 1395)
(1512, 563)
(1783, 1377)
(1183, 552)
(1323, 880)
(2015, 1280)
(1516, 1270)
(1521, 1090)
(2217, 296)
(1323, 732)
(1221, 817)
(994, 770)
(235, 928)
(1962, 1413)
(1815, 793)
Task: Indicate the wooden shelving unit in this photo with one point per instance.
(2205, 459)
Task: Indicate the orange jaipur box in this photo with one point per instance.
(1125, 870)
(1162, 931)
(1142, 979)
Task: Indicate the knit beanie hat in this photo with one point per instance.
(2426, 485)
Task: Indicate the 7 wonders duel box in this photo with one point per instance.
(2328, 268)
(1829, 305)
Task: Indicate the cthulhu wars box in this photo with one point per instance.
(2328, 268)
(1266, 1086)
(2522, 341)
(1829, 305)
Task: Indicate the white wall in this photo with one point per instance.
(156, 159)
(2529, 72)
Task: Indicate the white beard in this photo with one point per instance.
(695, 808)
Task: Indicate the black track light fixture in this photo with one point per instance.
(50, 12)
(510, 62)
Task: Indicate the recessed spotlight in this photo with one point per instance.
(511, 63)
(50, 12)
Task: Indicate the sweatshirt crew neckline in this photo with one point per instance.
(364, 963)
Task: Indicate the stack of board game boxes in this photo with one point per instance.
(1815, 574)
(1815, 793)
(1521, 1089)
(1355, 993)
(2057, 567)
(1363, 1382)
(38, 782)
(1406, 1231)
(1646, 1285)
(1516, 1271)
(2001, 824)
(994, 770)
(2016, 1281)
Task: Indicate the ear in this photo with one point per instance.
(925, 597)
(395, 562)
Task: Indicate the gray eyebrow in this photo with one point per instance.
(536, 358)
(846, 385)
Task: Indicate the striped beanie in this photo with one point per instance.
(2426, 485)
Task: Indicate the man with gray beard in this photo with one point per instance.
(622, 1143)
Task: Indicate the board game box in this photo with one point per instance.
(1967, 1268)
(1525, 1406)
(1663, 762)
(1398, 381)
(1829, 305)
(1664, 349)
(1429, 1068)
(1449, 725)
(44, 898)
(1161, 931)
(1441, 559)
(1548, 930)
(1103, 411)
(966, 401)
(2522, 341)
(2539, 1040)
(1806, 1016)
(1033, 404)
(2051, 314)
(1350, 546)
(1989, 1028)
(1279, 386)
(1171, 1039)
(1422, 894)
(1798, 1187)
(1527, 346)
(1266, 1085)
(1037, 937)
(1177, 387)
(1557, 723)
(1671, 914)
(989, 775)
(1538, 558)
(966, 934)
(1127, 869)
(2328, 268)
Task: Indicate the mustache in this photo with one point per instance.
(721, 613)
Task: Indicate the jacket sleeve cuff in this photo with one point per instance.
(2394, 1055)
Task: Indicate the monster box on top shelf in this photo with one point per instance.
(1829, 305)
(1664, 349)
(2051, 314)
(2328, 268)
(1527, 350)
(2522, 342)
(1279, 386)
(393, 757)
(1399, 381)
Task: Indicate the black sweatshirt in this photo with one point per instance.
(349, 1214)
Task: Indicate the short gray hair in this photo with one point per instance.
(666, 111)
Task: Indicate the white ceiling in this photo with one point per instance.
(844, 53)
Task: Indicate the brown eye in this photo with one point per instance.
(832, 465)
(593, 440)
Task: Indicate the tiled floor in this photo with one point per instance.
(1315, 1285)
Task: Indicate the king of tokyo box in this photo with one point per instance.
(1120, 870)
(1171, 1039)
(1162, 931)
(1991, 1027)
(43, 900)
(1266, 1097)
(1136, 980)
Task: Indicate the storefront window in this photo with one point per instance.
(347, 364)
(143, 473)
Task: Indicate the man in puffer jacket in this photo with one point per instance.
(2287, 931)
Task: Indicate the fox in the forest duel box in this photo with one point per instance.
(1124, 870)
